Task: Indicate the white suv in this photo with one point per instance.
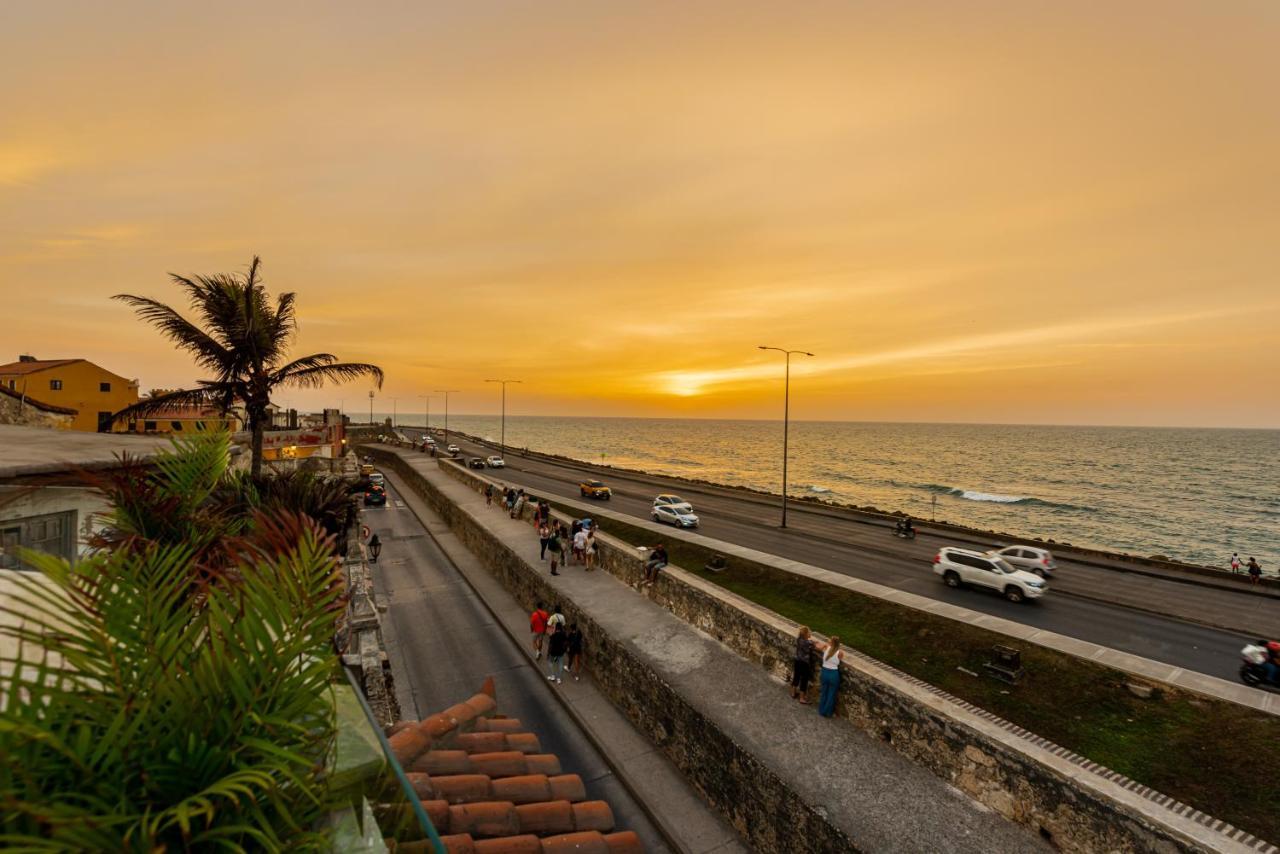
(495, 462)
(959, 567)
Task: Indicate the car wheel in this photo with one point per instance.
(952, 578)
(1038, 571)
(1013, 594)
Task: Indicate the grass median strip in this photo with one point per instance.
(1219, 757)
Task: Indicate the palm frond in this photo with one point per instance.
(210, 395)
(318, 375)
(208, 353)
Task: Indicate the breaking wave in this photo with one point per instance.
(995, 497)
(818, 489)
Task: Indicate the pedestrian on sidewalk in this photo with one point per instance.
(657, 560)
(557, 645)
(488, 495)
(538, 627)
(575, 651)
(831, 658)
(556, 618)
(544, 537)
(580, 546)
(509, 498)
(544, 512)
(1235, 562)
(518, 505)
(1255, 571)
(556, 547)
(589, 550)
(802, 666)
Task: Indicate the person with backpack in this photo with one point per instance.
(556, 547)
(575, 651)
(538, 627)
(557, 646)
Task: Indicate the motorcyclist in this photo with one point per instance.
(1272, 665)
(904, 527)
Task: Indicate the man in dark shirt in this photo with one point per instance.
(657, 560)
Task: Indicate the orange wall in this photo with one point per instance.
(80, 390)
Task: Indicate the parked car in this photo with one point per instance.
(670, 514)
(475, 463)
(496, 462)
(595, 489)
(453, 449)
(1031, 558)
(959, 567)
(375, 496)
(666, 499)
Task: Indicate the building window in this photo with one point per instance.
(148, 426)
(55, 385)
(53, 533)
(105, 422)
(176, 426)
(104, 386)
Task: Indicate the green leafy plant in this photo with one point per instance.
(135, 717)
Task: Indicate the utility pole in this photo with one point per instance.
(786, 420)
(446, 392)
(503, 383)
(393, 412)
(370, 407)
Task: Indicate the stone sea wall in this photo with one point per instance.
(1001, 766)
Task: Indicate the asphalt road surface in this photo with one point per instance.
(443, 643)
(1085, 602)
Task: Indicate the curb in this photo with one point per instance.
(663, 827)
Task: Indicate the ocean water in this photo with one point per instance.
(1191, 494)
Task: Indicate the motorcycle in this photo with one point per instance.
(1253, 656)
(904, 530)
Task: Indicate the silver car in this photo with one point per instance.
(666, 499)
(1031, 558)
(673, 515)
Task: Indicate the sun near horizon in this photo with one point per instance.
(1035, 214)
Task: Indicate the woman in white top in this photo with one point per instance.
(831, 658)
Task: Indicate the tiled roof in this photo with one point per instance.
(31, 401)
(36, 365)
(489, 789)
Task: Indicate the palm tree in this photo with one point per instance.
(243, 340)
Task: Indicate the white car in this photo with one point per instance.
(494, 462)
(674, 515)
(454, 449)
(1031, 558)
(377, 479)
(666, 499)
(959, 567)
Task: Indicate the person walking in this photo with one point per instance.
(556, 547)
(556, 618)
(831, 658)
(580, 545)
(1255, 571)
(575, 651)
(557, 646)
(589, 550)
(488, 495)
(802, 666)
(544, 537)
(657, 560)
(538, 628)
(1235, 562)
(518, 505)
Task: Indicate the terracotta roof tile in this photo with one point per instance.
(491, 790)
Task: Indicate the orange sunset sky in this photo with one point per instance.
(980, 211)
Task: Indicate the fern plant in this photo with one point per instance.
(136, 716)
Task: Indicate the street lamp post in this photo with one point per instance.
(370, 407)
(393, 412)
(786, 420)
(503, 383)
(446, 392)
(426, 429)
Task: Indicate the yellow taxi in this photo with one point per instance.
(594, 489)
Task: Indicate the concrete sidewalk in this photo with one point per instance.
(684, 820)
(876, 797)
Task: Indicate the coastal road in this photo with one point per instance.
(1091, 603)
(443, 643)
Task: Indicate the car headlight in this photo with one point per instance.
(1036, 584)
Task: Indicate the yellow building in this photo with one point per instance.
(93, 392)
